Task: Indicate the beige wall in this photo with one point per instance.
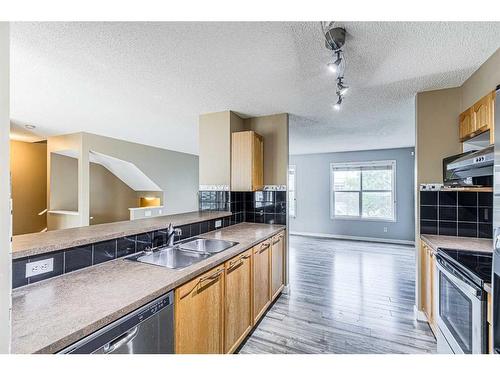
(176, 173)
(436, 132)
(5, 219)
(215, 146)
(274, 129)
(60, 143)
(28, 168)
(214, 137)
(110, 197)
(63, 183)
(483, 81)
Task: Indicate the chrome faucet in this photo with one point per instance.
(171, 232)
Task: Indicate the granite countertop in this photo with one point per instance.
(39, 243)
(52, 314)
(458, 243)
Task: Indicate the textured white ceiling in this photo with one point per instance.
(148, 82)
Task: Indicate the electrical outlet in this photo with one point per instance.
(218, 224)
(39, 267)
(385, 229)
(147, 213)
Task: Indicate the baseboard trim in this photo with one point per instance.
(419, 315)
(354, 238)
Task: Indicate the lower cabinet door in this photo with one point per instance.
(199, 314)
(261, 278)
(238, 300)
(277, 260)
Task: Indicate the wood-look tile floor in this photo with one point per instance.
(344, 297)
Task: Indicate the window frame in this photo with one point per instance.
(294, 168)
(361, 164)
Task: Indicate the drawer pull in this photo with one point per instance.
(237, 262)
(202, 279)
(264, 246)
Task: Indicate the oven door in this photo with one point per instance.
(461, 311)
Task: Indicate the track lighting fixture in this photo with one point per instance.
(341, 88)
(336, 106)
(335, 38)
(334, 66)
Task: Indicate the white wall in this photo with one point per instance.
(5, 251)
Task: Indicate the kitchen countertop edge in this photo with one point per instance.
(26, 245)
(80, 333)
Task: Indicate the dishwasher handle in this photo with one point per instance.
(120, 341)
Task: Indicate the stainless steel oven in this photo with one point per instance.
(461, 309)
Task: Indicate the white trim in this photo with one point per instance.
(354, 238)
(360, 164)
(419, 315)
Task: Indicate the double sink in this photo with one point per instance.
(183, 254)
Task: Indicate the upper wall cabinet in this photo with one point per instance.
(478, 119)
(247, 161)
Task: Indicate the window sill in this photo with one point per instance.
(358, 218)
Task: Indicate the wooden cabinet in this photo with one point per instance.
(478, 119)
(215, 311)
(261, 279)
(199, 314)
(428, 274)
(465, 124)
(247, 161)
(277, 264)
(238, 315)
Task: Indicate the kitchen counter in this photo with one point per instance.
(458, 243)
(50, 315)
(39, 243)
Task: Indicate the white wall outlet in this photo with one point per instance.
(147, 213)
(218, 224)
(39, 267)
(385, 229)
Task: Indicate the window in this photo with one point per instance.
(292, 199)
(363, 190)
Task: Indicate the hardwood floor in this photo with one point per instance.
(345, 297)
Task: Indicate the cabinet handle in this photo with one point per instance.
(264, 246)
(202, 279)
(237, 262)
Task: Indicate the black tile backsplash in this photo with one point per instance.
(104, 251)
(447, 198)
(76, 258)
(452, 213)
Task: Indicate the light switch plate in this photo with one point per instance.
(39, 267)
(218, 224)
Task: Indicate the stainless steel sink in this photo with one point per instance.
(205, 245)
(184, 254)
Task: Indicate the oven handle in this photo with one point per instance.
(462, 284)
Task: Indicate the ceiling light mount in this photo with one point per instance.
(335, 38)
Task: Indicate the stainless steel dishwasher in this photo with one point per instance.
(148, 330)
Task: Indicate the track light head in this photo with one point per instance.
(341, 88)
(336, 106)
(334, 66)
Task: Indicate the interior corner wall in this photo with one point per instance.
(28, 168)
(214, 138)
(170, 170)
(5, 216)
(481, 82)
(274, 130)
(313, 196)
(110, 197)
